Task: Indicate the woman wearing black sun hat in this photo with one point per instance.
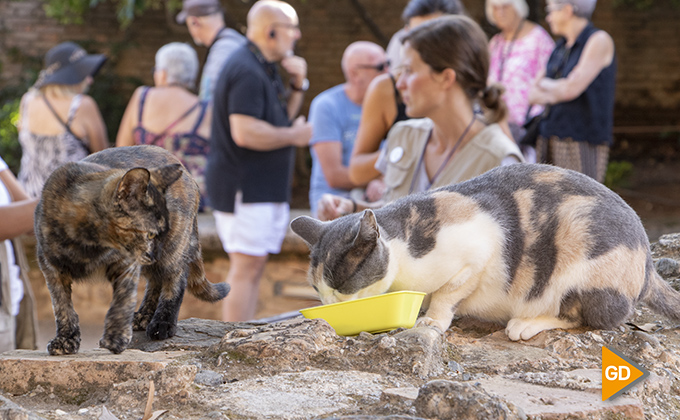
(58, 122)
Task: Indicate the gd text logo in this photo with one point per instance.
(619, 373)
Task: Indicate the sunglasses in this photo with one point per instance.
(286, 25)
(379, 67)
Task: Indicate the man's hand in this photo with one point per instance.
(303, 131)
(331, 207)
(296, 67)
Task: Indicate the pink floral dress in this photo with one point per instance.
(519, 61)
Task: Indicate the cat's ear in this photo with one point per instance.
(368, 229)
(166, 175)
(133, 185)
(308, 228)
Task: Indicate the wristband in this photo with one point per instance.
(303, 88)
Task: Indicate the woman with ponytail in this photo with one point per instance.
(445, 65)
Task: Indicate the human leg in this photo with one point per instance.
(249, 235)
(245, 272)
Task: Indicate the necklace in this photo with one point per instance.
(443, 164)
(506, 54)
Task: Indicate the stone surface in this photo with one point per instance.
(81, 377)
(668, 246)
(553, 403)
(192, 334)
(300, 343)
(11, 411)
(303, 395)
(442, 399)
(301, 369)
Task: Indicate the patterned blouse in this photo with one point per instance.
(42, 154)
(189, 147)
(519, 61)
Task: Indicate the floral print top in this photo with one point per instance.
(519, 61)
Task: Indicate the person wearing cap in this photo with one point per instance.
(578, 87)
(205, 21)
(58, 122)
(252, 148)
(335, 115)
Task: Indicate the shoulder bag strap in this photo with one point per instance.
(68, 129)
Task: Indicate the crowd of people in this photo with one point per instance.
(443, 104)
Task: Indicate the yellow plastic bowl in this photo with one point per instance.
(373, 314)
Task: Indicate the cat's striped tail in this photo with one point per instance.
(660, 296)
(203, 289)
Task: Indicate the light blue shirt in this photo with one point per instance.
(227, 41)
(334, 117)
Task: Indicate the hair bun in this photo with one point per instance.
(492, 99)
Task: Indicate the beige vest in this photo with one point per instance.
(22, 332)
(406, 143)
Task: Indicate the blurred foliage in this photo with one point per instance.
(73, 11)
(10, 99)
(10, 150)
(618, 174)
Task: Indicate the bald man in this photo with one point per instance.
(335, 115)
(252, 149)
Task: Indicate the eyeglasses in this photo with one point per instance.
(554, 7)
(379, 67)
(286, 25)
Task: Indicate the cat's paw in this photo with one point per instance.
(525, 328)
(141, 321)
(64, 345)
(426, 321)
(114, 343)
(160, 330)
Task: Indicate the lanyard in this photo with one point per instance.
(507, 54)
(273, 73)
(446, 161)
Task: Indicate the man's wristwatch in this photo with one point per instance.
(303, 88)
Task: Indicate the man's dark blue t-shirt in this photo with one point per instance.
(250, 86)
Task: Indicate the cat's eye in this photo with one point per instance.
(151, 235)
(316, 288)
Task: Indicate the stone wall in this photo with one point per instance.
(648, 44)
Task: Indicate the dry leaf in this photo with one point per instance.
(157, 414)
(149, 402)
(106, 415)
(148, 415)
(648, 328)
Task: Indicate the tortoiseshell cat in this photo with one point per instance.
(108, 216)
(533, 246)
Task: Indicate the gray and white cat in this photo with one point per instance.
(533, 246)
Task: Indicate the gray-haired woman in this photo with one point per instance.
(169, 115)
(519, 53)
(578, 87)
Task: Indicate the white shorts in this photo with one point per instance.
(255, 229)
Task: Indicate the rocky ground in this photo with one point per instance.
(300, 369)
